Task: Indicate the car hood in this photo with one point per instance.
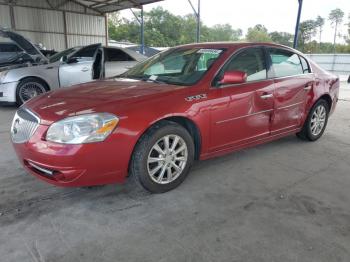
(24, 44)
(98, 96)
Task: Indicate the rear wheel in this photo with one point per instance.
(29, 88)
(316, 122)
(163, 157)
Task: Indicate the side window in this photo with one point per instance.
(285, 63)
(115, 55)
(305, 65)
(9, 47)
(86, 53)
(205, 61)
(251, 61)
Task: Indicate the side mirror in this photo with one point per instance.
(233, 77)
(72, 60)
(64, 59)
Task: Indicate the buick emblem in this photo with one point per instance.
(15, 125)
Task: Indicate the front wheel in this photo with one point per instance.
(316, 122)
(29, 88)
(163, 157)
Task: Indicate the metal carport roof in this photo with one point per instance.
(108, 6)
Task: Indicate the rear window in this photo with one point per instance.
(115, 55)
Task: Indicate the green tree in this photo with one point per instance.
(348, 36)
(307, 29)
(282, 38)
(258, 33)
(336, 18)
(223, 32)
(165, 29)
(319, 23)
(125, 31)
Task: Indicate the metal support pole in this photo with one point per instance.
(199, 21)
(197, 13)
(65, 29)
(106, 29)
(296, 34)
(142, 33)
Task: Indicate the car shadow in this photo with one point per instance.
(24, 197)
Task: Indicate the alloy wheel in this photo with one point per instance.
(318, 120)
(167, 159)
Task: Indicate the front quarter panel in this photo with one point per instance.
(133, 124)
(46, 72)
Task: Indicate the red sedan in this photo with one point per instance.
(191, 102)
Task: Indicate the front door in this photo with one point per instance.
(78, 68)
(241, 113)
(292, 83)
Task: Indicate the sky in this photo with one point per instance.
(276, 15)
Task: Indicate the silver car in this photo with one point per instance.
(22, 79)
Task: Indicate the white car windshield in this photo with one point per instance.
(58, 56)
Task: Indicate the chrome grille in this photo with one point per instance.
(24, 125)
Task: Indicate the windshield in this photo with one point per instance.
(179, 66)
(67, 52)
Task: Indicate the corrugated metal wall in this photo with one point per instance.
(85, 28)
(336, 63)
(5, 19)
(35, 21)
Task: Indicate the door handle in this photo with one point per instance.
(307, 87)
(84, 69)
(266, 96)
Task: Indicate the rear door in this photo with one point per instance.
(292, 83)
(78, 68)
(117, 61)
(241, 113)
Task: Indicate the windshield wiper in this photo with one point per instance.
(154, 80)
(145, 78)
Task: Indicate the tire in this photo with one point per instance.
(28, 88)
(155, 171)
(315, 118)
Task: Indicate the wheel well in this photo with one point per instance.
(192, 128)
(188, 124)
(38, 78)
(328, 99)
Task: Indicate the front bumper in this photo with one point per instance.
(73, 165)
(8, 92)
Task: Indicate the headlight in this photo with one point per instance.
(82, 129)
(3, 75)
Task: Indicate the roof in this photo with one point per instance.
(234, 45)
(107, 6)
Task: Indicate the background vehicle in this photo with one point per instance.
(16, 50)
(8, 50)
(191, 102)
(23, 81)
(147, 51)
